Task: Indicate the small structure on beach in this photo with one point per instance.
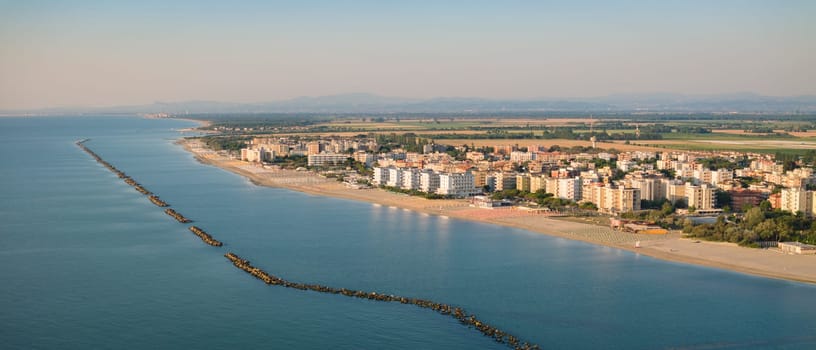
(797, 248)
(636, 226)
(488, 203)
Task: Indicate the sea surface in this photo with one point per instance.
(86, 262)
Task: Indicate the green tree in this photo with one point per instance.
(753, 217)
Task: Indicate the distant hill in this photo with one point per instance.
(370, 103)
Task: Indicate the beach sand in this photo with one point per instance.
(672, 247)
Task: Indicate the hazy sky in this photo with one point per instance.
(94, 53)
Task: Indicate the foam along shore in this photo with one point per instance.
(672, 247)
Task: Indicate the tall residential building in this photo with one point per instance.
(394, 177)
(523, 182)
(537, 183)
(326, 159)
(380, 176)
(410, 179)
(551, 186)
(650, 188)
(569, 189)
(456, 184)
(428, 181)
(700, 196)
(628, 199)
(479, 178)
(505, 181)
(673, 190)
(256, 155)
(616, 200)
(313, 148)
(797, 199)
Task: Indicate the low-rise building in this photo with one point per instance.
(797, 248)
(740, 199)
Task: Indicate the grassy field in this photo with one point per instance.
(726, 135)
(546, 143)
(793, 146)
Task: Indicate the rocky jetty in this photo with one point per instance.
(157, 201)
(205, 237)
(176, 215)
(458, 313)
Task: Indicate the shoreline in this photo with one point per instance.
(671, 247)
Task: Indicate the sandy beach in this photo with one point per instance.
(672, 247)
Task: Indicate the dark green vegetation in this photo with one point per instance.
(757, 225)
(659, 212)
(540, 197)
(225, 143)
(415, 193)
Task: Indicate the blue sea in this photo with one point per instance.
(86, 262)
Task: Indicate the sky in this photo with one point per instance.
(105, 53)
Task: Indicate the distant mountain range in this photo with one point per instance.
(370, 103)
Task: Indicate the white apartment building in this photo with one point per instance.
(456, 184)
(797, 199)
(394, 177)
(428, 181)
(326, 159)
(410, 179)
(380, 176)
(569, 189)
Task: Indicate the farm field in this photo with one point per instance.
(758, 146)
(547, 143)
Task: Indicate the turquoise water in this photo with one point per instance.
(88, 262)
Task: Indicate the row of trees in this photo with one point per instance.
(540, 197)
(758, 224)
(428, 195)
(225, 143)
